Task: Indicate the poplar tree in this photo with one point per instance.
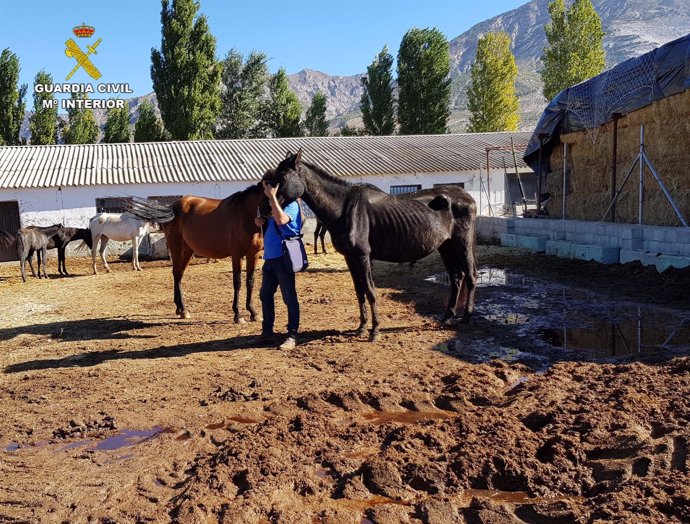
(185, 72)
(43, 123)
(81, 127)
(243, 85)
(423, 82)
(315, 123)
(12, 99)
(148, 127)
(492, 97)
(377, 104)
(117, 129)
(575, 46)
(282, 110)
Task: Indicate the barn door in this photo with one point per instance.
(9, 221)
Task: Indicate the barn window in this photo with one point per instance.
(112, 204)
(166, 200)
(456, 184)
(399, 190)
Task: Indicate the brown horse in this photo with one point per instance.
(210, 228)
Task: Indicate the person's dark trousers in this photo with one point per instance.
(274, 274)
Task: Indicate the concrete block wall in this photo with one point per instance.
(663, 240)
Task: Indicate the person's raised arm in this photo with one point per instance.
(281, 218)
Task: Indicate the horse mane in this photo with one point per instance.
(326, 175)
(241, 195)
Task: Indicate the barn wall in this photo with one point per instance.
(667, 135)
(74, 206)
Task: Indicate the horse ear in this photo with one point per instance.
(288, 155)
(298, 156)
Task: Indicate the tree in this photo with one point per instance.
(377, 105)
(185, 72)
(575, 46)
(423, 82)
(282, 110)
(347, 130)
(148, 127)
(315, 123)
(243, 86)
(492, 98)
(12, 101)
(81, 127)
(117, 129)
(43, 123)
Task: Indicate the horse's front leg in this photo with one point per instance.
(135, 254)
(357, 272)
(31, 265)
(94, 249)
(236, 286)
(251, 265)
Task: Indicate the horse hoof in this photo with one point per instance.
(360, 332)
(239, 320)
(374, 336)
(184, 314)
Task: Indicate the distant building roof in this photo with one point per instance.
(244, 160)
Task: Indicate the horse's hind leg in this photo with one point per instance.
(251, 265)
(135, 253)
(323, 240)
(181, 253)
(469, 283)
(94, 248)
(357, 272)
(236, 286)
(104, 245)
(21, 253)
(451, 262)
(370, 291)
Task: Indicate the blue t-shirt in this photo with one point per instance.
(273, 243)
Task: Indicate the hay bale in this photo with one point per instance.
(667, 135)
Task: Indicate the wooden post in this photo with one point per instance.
(614, 161)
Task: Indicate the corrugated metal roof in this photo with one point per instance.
(245, 160)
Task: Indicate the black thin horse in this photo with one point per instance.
(28, 240)
(320, 232)
(368, 224)
(60, 240)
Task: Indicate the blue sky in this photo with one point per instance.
(338, 37)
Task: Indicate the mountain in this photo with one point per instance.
(632, 28)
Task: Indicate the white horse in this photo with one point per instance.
(120, 227)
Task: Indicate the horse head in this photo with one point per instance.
(286, 177)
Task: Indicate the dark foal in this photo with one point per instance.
(60, 240)
(320, 232)
(34, 238)
(368, 224)
(210, 228)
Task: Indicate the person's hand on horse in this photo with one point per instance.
(270, 191)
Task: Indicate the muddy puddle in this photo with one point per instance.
(556, 322)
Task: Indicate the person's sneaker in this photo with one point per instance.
(289, 343)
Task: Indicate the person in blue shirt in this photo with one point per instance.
(283, 223)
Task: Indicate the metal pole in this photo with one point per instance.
(488, 176)
(620, 189)
(614, 161)
(665, 190)
(565, 165)
(641, 196)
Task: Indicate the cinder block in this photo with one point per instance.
(559, 248)
(509, 239)
(635, 255)
(666, 261)
(532, 243)
(604, 255)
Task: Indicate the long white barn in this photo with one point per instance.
(42, 185)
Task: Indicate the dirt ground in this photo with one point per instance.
(113, 410)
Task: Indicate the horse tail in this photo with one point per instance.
(150, 210)
(81, 247)
(6, 239)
